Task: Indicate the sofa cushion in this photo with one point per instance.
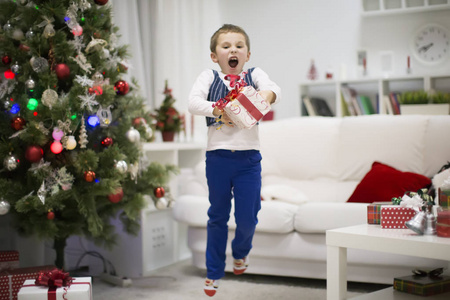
(274, 216)
(398, 141)
(282, 192)
(383, 182)
(300, 148)
(318, 217)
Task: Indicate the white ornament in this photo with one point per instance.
(121, 166)
(133, 135)
(161, 203)
(49, 98)
(4, 207)
(88, 101)
(71, 143)
(42, 193)
(84, 80)
(95, 44)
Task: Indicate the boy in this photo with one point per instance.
(233, 167)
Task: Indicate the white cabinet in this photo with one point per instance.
(385, 7)
(161, 240)
(373, 87)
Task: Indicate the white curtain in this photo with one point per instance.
(169, 40)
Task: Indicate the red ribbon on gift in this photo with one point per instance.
(54, 279)
(248, 105)
(236, 85)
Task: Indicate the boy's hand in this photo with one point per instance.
(225, 119)
(268, 95)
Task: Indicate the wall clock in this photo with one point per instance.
(431, 44)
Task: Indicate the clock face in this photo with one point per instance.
(431, 44)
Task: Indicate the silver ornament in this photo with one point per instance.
(133, 135)
(97, 77)
(30, 84)
(39, 64)
(16, 68)
(7, 27)
(121, 166)
(161, 203)
(49, 97)
(11, 163)
(4, 207)
(7, 105)
(30, 34)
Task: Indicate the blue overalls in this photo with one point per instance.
(230, 174)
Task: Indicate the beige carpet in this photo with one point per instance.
(182, 281)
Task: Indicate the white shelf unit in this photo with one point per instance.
(389, 7)
(374, 87)
(161, 240)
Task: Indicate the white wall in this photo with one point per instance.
(286, 35)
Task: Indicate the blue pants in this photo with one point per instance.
(231, 174)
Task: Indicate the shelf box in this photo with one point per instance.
(425, 109)
(392, 4)
(371, 5)
(415, 3)
(437, 2)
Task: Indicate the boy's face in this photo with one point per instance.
(231, 53)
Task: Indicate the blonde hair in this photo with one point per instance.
(225, 29)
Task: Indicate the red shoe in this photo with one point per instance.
(240, 265)
(211, 287)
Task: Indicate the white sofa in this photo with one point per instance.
(323, 159)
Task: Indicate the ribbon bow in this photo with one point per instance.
(235, 85)
(436, 273)
(53, 278)
(233, 79)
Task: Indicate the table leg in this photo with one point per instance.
(336, 273)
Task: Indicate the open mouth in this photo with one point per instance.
(233, 62)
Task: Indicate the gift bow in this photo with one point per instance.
(236, 85)
(436, 273)
(53, 278)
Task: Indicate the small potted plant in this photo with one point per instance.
(168, 119)
(423, 103)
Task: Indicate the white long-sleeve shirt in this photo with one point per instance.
(228, 138)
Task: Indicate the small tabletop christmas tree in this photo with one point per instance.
(69, 124)
(168, 119)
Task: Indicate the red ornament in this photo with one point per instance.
(9, 74)
(96, 89)
(34, 153)
(137, 122)
(117, 196)
(62, 71)
(6, 60)
(101, 2)
(121, 87)
(24, 47)
(159, 192)
(50, 215)
(18, 123)
(89, 176)
(56, 147)
(107, 141)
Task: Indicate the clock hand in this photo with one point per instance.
(425, 48)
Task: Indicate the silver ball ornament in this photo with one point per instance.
(49, 97)
(7, 27)
(30, 34)
(161, 203)
(30, 84)
(133, 135)
(39, 64)
(11, 163)
(121, 166)
(16, 68)
(4, 207)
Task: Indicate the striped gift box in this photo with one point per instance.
(422, 286)
(374, 212)
(444, 198)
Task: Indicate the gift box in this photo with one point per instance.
(395, 216)
(79, 289)
(444, 198)
(443, 223)
(422, 285)
(9, 260)
(12, 280)
(247, 108)
(374, 212)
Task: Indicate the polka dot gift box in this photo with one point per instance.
(395, 216)
(9, 260)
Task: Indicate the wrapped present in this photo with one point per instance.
(247, 108)
(443, 223)
(9, 260)
(395, 216)
(444, 198)
(80, 288)
(423, 285)
(12, 280)
(374, 212)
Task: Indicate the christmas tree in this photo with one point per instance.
(70, 126)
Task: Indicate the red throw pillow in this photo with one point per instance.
(383, 182)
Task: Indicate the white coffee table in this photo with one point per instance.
(372, 237)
